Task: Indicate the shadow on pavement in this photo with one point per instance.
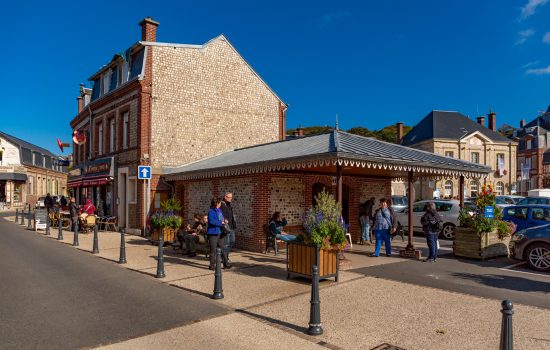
(506, 282)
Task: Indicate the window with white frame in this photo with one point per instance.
(125, 128)
(450, 154)
(499, 188)
(529, 144)
(106, 82)
(474, 188)
(112, 135)
(131, 194)
(475, 157)
(448, 188)
(100, 138)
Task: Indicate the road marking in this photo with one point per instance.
(508, 268)
(513, 265)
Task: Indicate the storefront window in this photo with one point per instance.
(18, 192)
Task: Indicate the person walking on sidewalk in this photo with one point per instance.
(231, 226)
(214, 233)
(74, 211)
(364, 220)
(368, 209)
(382, 227)
(431, 222)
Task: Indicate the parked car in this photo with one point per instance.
(447, 209)
(532, 245)
(399, 203)
(506, 201)
(534, 200)
(40, 202)
(526, 216)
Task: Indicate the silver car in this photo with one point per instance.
(447, 209)
(532, 245)
(506, 201)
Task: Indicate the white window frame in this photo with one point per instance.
(449, 154)
(112, 138)
(125, 72)
(499, 188)
(100, 138)
(474, 184)
(472, 157)
(448, 191)
(125, 127)
(529, 144)
(106, 81)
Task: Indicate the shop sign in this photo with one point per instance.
(75, 172)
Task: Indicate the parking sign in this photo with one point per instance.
(489, 212)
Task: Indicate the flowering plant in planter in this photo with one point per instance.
(479, 222)
(166, 216)
(324, 224)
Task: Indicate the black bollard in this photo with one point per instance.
(315, 326)
(29, 224)
(60, 232)
(122, 259)
(23, 217)
(218, 291)
(506, 334)
(95, 249)
(75, 234)
(160, 257)
(16, 215)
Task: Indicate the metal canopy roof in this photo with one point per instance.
(329, 149)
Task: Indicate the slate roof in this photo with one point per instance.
(24, 144)
(447, 125)
(333, 144)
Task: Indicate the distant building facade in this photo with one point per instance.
(533, 155)
(454, 135)
(165, 104)
(28, 172)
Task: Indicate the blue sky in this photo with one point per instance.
(371, 62)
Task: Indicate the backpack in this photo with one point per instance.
(435, 225)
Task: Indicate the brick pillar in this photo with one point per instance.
(148, 29)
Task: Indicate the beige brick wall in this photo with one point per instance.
(287, 197)
(242, 203)
(207, 101)
(200, 194)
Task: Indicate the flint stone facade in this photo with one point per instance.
(256, 197)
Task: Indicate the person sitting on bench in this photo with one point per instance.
(191, 235)
(276, 225)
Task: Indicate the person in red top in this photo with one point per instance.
(89, 208)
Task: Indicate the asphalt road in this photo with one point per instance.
(489, 279)
(55, 297)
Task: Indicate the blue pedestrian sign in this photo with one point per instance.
(489, 212)
(144, 172)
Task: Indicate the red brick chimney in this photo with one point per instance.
(492, 120)
(80, 104)
(148, 29)
(399, 128)
(481, 120)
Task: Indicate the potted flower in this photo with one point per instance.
(166, 221)
(322, 242)
(480, 236)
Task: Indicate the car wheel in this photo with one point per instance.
(448, 231)
(538, 256)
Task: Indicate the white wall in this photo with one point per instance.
(10, 155)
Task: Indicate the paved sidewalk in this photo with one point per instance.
(359, 312)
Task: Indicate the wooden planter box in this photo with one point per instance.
(300, 257)
(169, 235)
(469, 245)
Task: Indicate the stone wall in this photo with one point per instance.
(287, 197)
(242, 203)
(207, 101)
(199, 195)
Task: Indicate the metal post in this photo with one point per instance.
(95, 249)
(218, 291)
(122, 259)
(410, 244)
(461, 191)
(23, 217)
(160, 257)
(75, 235)
(506, 334)
(315, 325)
(60, 231)
(47, 224)
(16, 215)
(29, 224)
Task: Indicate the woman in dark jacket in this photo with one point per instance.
(430, 220)
(215, 234)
